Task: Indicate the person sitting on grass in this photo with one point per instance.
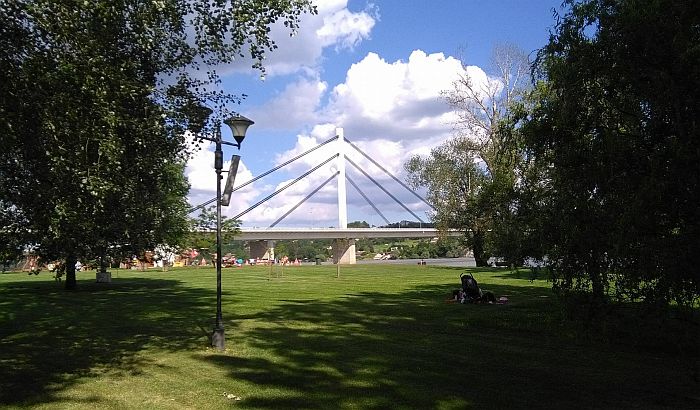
(472, 292)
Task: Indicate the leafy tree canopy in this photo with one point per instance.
(95, 102)
(358, 224)
(470, 178)
(615, 131)
(202, 232)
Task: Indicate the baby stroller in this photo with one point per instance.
(472, 292)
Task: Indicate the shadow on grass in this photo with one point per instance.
(408, 349)
(49, 338)
(414, 350)
(522, 273)
(529, 274)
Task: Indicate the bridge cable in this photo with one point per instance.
(264, 174)
(384, 189)
(366, 199)
(286, 186)
(389, 173)
(202, 205)
(304, 200)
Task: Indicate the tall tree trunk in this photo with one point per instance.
(480, 256)
(71, 282)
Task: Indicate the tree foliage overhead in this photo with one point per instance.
(96, 97)
(615, 131)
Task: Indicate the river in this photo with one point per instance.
(455, 262)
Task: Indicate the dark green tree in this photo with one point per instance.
(13, 227)
(358, 224)
(616, 136)
(95, 101)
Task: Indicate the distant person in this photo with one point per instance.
(78, 266)
(33, 270)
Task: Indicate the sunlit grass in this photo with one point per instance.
(377, 336)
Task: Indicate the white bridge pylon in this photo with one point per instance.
(344, 246)
(342, 192)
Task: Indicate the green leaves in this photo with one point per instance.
(470, 179)
(614, 132)
(202, 229)
(96, 101)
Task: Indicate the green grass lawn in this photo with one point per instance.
(377, 337)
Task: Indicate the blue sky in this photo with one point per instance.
(374, 69)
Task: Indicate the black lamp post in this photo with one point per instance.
(238, 125)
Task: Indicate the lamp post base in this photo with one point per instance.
(217, 338)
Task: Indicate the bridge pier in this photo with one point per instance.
(344, 251)
(264, 249)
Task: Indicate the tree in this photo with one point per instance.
(453, 183)
(12, 228)
(470, 178)
(303, 248)
(481, 102)
(202, 231)
(615, 133)
(96, 101)
(358, 224)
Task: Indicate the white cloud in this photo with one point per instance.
(334, 26)
(294, 107)
(345, 29)
(399, 100)
(390, 110)
(202, 178)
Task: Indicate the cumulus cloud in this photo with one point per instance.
(300, 51)
(292, 108)
(345, 29)
(395, 100)
(389, 110)
(202, 178)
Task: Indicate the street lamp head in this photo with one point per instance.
(239, 125)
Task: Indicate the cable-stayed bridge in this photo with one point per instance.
(262, 239)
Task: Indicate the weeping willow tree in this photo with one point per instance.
(615, 129)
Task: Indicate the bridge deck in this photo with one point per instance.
(251, 234)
